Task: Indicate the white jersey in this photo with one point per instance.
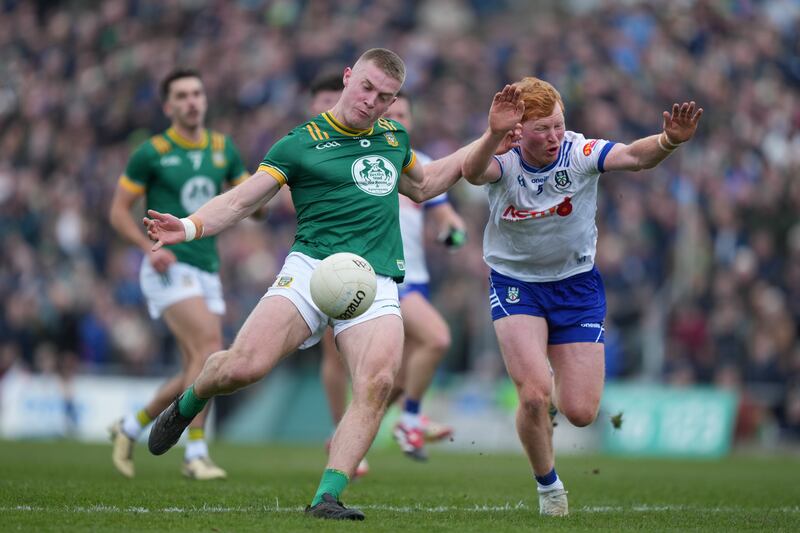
(542, 220)
(412, 228)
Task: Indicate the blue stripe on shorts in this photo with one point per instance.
(574, 308)
(404, 289)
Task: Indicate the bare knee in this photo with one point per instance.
(580, 415)
(533, 401)
(440, 341)
(207, 343)
(373, 390)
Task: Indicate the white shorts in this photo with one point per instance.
(179, 282)
(294, 282)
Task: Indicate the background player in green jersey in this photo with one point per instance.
(177, 171)
(345, 169)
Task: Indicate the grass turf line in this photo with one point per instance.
(68, 486)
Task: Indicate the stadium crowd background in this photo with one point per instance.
(701, 257)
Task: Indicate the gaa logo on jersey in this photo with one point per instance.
(197, 191)
(374, 175)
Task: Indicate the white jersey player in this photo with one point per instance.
(547, 299)
(427, 334)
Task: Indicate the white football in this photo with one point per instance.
(343, 285)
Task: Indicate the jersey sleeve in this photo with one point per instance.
(436, 200)
(589, 155)
(281, 160)
(139, 170)
(504, 160)
(237, 172)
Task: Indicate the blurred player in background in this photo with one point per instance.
(427, 336)
(177, 171)
(546, 296)
(345, 168)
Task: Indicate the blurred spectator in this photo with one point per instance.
(705, 249)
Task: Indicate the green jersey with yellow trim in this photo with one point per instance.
(344, 188)
(177, 176)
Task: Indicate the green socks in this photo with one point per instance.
(189, 404)
(333, 482)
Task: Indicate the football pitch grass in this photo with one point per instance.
(69, 486)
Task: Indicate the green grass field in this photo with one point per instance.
(68, 486)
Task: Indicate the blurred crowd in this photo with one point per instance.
(700, 257)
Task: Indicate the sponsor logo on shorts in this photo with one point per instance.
(354, 305)
(512, 296)
(593, 325)
(283, 281)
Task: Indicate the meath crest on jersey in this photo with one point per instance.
(374, 175)
(391, 139)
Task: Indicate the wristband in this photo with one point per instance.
(661, 145)
(189, 228)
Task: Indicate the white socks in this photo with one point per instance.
(556, 485)
(410, 420)
(131, 426)
(195, 449)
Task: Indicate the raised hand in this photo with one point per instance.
(506, 111)
(163, 228)
(680, 125)
(511, 140)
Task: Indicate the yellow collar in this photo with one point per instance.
(344, 130)
(183, 142)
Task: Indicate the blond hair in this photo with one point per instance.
(540, 98)
(386, 60)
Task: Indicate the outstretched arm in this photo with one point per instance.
(215, 215)
(679, 127)
(438, 176)
(507, 109)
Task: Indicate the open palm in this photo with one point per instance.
(681, 124)
(507, 109)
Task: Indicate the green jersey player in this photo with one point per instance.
(178, 171)
(345, 169)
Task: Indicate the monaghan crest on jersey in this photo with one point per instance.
(374, 175)
(562, 179)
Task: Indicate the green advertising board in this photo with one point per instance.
(669, 421)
